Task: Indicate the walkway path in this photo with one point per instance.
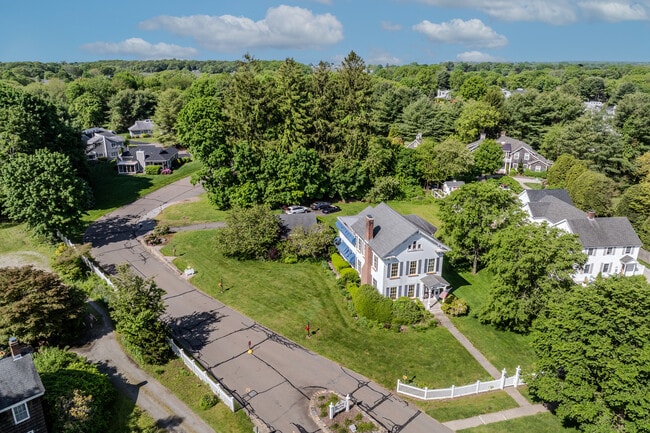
(275, 381)
(525, 407)
(163, 406)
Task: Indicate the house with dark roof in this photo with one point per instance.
(141, 127)
(290, 222)
(135, 159)
(611, 244)
(451, 186)
(21, 392)
(102, 143)
(516, 154)
(397, 254)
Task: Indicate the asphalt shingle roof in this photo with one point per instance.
(605, 232)
(554, 210)
(19, 381)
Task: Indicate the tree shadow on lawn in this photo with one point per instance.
(113, 190)
(194, 330)
(453, 277)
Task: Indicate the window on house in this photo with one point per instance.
(605, 268)
(20, 413)
(375, 261)
(591, 251)
(628, 250)
(515, 155)
(609, 251)
(410, 290)
(358, 243)
(515, 165)
(587, 268)
(526, 156)
(413, 268)
(392, 292)
(374, 283)
(394, 270)
(431, 266)
(414, 246)
(538, 168)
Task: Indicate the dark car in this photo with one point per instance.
(319, 205)
(330, 209)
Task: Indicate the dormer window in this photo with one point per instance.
(414, 246)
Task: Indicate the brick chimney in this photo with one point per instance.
(591, 215)
(366, 277)
(15, 347)
(370, 227)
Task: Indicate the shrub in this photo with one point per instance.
(407, 311)
(67, 262)
(166, 171)
(346, 276)
(161, 230)
(207, 401)
(339, 262)
(152, 169)
(290, 259)
(370, 304)
(454, 306)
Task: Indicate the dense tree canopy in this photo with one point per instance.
(43, 191)
(250, 233)
(592, 348)
(36, 306)
(471, 216)
(531, 264)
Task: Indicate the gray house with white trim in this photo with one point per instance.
(397, 254)
(135, 159)
(516, 154)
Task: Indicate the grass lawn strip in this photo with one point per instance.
(198, 211)
(541, 423)
(466, 407)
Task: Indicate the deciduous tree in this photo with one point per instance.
(488, 157)
(593, 191)
(592, 348)
(531, 264)
(250, 233)
(35, 305)
(472, 215)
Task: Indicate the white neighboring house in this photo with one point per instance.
(611, 244)
(395, 253)
(141, 127)
(102, 143)
(451, 186)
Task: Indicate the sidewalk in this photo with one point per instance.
(487, 365)
(489, 418)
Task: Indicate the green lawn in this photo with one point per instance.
(266, 291)
(541, 423)
(193, 212)
(502, 348)
(467, 407)
(187, 387)
(112, 190)
(127, 417)
(16, 237)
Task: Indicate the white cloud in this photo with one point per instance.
(548, 11)
(378, 57)
(283, 27)
(142, 49)
(472, 33)
(552, 11)
(613, 11)
(391, 27)
(476, 57)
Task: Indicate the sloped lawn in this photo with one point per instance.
(284, 297)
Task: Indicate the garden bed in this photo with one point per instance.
(354, 420)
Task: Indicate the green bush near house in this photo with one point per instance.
(454, 306)
(339, 262)
(152, 170)
(407, 311)
(370, 304)
(346, 276)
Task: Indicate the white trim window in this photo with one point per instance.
(628, 250)
(20, 412)
(375, 261)
(591, 251)
(526, 156)
(587, 268)
(393, 270)
(431, 266)
(392, 292)
(413, 267)
(609, 251)
(605, 268)
(410, 290)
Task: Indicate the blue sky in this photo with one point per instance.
(380, 31)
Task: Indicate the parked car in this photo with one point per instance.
(320, 204)
(330, 209)
(296, 209)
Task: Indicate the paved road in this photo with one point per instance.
(275, 382)
(163, 406)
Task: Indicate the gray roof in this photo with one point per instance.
(142, 125)
(100, 137)
(454, 183)
(434, 281)
(19, 381)
(390, 228)
(152, 153)
(554, 209)
(605, 232)
(540, 194)
(509, 144)
(291, 221)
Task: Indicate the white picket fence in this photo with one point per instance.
(205, 377)
(460, 391)
(189, 361)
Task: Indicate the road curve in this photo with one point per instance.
(275, 381)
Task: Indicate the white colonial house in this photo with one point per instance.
(611, 244)
(395, 253)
